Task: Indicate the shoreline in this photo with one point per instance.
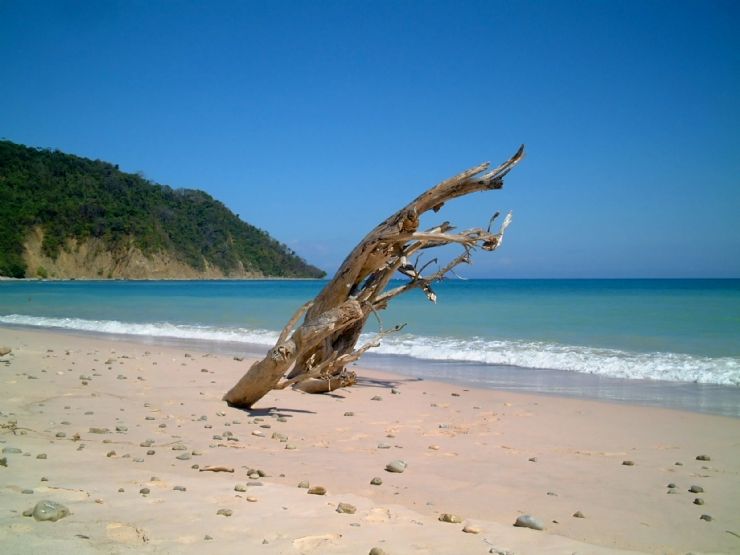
(717, 399)
(488, 456)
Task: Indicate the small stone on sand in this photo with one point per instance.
(471, 530)
(628, 463)
(346, 508)
(396, 466)
(528, 521)
(698, 501)
(706, 517)
(47, 510)
(696, 489)
(303, 484)
(449, 517)
(376, 481)
(317, 490)
(703, 458)
(225, 512)
(578, 514)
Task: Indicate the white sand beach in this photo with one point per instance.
(123, 434)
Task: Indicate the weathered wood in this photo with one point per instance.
(319, 349)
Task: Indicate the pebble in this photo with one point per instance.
(225, 512)
(5, 351)
(578, 514)
(252, 499)
(303, 484)
(27, 492)
(180, 488)
(706, 517)
(110, 454)
(471, 530)
(184, 457)
(240, 488)
(121, 429)
(696, 489)
(4, 461)
(671, 485)
(178, 447)
(628, 463)
(703, 458)
(144, 491)
(395, 391)
(346, 508)
(377, 551)
(47, 510)
(41, 456)
(349, 413)
(528, 521)
(433, 447)
(698, 501)
(317, 490)
(258, 433)
(376, 481)
(376, 398)
(383, 446)
(289, 446)
(397, 466)
(449, 517)
(279, 436)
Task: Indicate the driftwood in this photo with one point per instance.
(313, 357)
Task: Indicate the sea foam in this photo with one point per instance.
(676, 367)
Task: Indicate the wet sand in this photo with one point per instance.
(97, 423)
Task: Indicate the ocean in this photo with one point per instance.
(665, 342)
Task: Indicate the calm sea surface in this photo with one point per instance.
(511, 333)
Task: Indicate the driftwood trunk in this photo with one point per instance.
(313, 356)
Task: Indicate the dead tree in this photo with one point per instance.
(313, 356)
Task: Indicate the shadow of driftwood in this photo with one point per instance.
(386, 384)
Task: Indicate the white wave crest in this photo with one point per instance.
(156, 329)
(607, 362)
(526, 354)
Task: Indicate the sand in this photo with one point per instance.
(127, 411)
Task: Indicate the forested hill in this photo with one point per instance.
(69, 217)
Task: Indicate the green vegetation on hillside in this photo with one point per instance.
(73, 197)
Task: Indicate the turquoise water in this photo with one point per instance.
(674, 330)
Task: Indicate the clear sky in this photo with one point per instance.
(314, 120)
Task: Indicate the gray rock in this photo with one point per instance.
(451, 518)
(240, 488)
(706, 517)
(349, 413)
(698, 501)
(225, 512)
(397, 466)
(376, 481)
(144, 491)
(41, 456)
(122, 429)
(628, 463)
(183, 457)
(4, 461)
(180, 488)
(317, 490)
(696, 489)
(346, 508)
(47, 510)
(578, 514)
(703, 458)
(377, 551)
(27, 492)
(99, 430)
(528, 521)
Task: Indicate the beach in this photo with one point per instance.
(135, 441)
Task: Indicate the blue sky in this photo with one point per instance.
(315, 120)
